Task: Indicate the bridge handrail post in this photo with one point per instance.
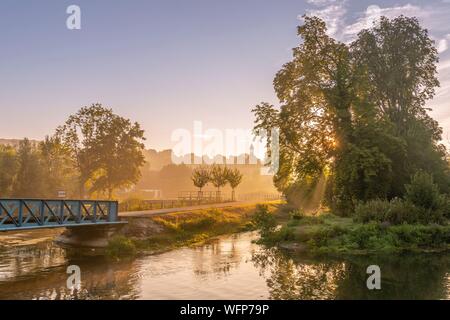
(61, 211)
(20, 213)
(42, 212)
(94, 212)
(112, 211)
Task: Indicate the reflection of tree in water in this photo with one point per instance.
(218, 257)
(100, 279)
(288, 279)
(407, 276)
(402, 276)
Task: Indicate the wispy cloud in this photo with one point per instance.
(374, 12)
(331, 11)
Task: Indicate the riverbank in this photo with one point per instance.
(329, 234)
(226, 267)
(159, 233)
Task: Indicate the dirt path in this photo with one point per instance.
(147, 213)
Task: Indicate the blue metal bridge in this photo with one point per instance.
(26, 214)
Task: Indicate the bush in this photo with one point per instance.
(120, 246)
(285, 233)
(297, 214)
(401, 211)
(398, 211)
(423, 192)
(446, 206)
(264, 220)
(373, 210)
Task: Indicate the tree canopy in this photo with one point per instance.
(106, 148)
(355, 113)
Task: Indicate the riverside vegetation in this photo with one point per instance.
(418, 223)
(169, 231)
(355, 137)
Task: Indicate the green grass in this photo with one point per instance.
(121, 246)
(188, 228)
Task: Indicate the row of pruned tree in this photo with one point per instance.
(218, 176)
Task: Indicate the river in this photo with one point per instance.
(229, 267)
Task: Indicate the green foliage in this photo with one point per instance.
(35, 170)
(423, 192)
(120, 246)
(331, 235)
(297, 214)
(356, 114)
(218, 177)
(422, 204)
(264, 220)
(8, 168)
(106, 148)
(200, 177)
(57, 167)
(234, 178)
(29, 179)
(397, 211)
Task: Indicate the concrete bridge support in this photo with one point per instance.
(88, 236)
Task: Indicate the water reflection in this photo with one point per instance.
(289, 278)
(231, 267)
(407, 276)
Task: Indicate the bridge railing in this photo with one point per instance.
(34, 213)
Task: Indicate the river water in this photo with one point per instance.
(229, 267)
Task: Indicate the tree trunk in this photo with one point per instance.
(218, 195)
(233, 198)
(81, 190)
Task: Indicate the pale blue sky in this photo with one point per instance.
(167, 63)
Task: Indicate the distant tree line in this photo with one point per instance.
(354, 115)
(92, 154)
(219, 176)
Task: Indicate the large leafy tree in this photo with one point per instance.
(29, 179)
(314, 120)
(355, 113)
(8, 167)
(56, 166)
(106, 148)
(398, 62)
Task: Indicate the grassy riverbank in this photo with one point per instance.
(173, 230)
(326, 233)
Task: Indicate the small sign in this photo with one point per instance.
(61, 194)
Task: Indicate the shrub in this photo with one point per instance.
(373, 210)
(401, 211)
(398, 211)
(446, 206)
(120, 246)
(423, 192)
(264, 220)
(297, 214)
(285, 233)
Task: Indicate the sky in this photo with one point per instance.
(167, 63)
